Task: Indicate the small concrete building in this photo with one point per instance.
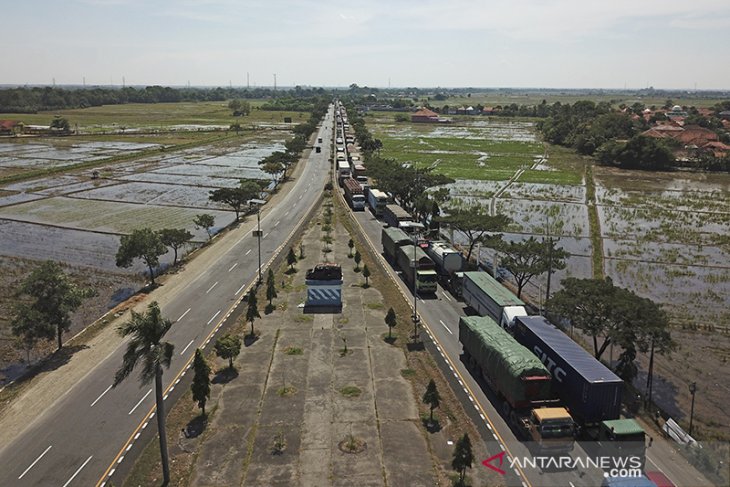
(324, 288)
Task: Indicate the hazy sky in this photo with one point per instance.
(488, 43)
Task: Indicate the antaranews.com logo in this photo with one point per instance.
(624, 466)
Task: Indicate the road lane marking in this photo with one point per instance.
(287, 212)
(232, 267)
(140, 402)
(100, 396)
(445, 295)
(447, 328)
(266, 235)
(248, 251)
(183, 315)
(186, 347)
(211, 320)
(77, 471)
(211, 287)
(277, 222)
(36, 461)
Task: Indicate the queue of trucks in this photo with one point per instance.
(547, 386)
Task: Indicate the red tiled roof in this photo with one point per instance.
(425, 112)
(8, 124)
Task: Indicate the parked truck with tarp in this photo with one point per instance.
(354, 194)
(485, 295)
(417, 268)
(391, 238)
(393, 215)
(520, 381)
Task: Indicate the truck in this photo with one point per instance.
(623, 439)
(485, 295)
(449, 262)
(377, 200)
(394, 214)
(520, 382)
(354, 195)
(588, 388)
(343, 171)
(417, 268)
(391, 238)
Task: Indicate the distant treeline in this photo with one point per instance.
(36, 99)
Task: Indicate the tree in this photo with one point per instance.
(143, 244)
(476, 226)
(204, 220)
(366, 275)
(60, 123)
(350, 245)
(235, 126)
(201, 380)
(237, 197)
(53, 297)
(358, 259)
(228, 347)
(146, 346)
(274, 168)
(252, 312)
(270, 286)
(391, 320)
(291, 258)
(530, 258)
(463, 457)
(175, 238)
(432, 398)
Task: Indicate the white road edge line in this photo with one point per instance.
(211, 287)
(186, 347)
(216, 314)
(140, 402)
(77, 471)
(100, 396)
(183, 315)
(444, 325)
(232, 267)
(36, 461)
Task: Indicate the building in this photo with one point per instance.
(10, 127)
(424, 115)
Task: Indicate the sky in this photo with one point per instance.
(667, 44)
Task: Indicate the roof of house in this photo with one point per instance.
(8, 124)
(694, 134)
(425, 112)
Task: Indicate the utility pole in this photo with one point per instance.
(692, 390)
(248, 85)
(550, 259)
(650, 377)
(257, 232)
(274, 81)
(124, 82)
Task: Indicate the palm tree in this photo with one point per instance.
(147, 330)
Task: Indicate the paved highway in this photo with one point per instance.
(440, 315)
(85, 435)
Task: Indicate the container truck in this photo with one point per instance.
(488, 297)
(343, 171)
(587, 388)
(520, 381)
(449, 262)
(394, 214)
(354, 195)
(377, 200)
(416, 267)
(391, 238)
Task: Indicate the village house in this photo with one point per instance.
(424, 115)
(10, 127)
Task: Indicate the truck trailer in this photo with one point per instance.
(354, 194)
(394, 214)
(391, 238)
(417, 268)
(488, 297)
(519, 380)
(377, 200)
(588, 388)
(343, 171)
(449, 262)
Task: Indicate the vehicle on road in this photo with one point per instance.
(449, 265)
(354, 194)
(521, 382)
(393, 215)
(377, 200)
(417, 268)
(343, 171)
(487, 297)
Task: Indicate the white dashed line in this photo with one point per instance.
(277, 223)
(248, 251)
(239, 290)
(77, 471)
(33, 464)
(447, 328)
(216, 314)
(265, 236)
(100, 396)
(183, 315)
(232, 267)
(211, 287)
(186, 347)
(446, 296)
(140, 402)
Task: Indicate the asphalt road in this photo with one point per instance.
(84, 436)
(440, 316)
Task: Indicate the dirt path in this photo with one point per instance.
(42, 391)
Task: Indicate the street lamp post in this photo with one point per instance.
(415, 289)
(257, 232)
(692, 390)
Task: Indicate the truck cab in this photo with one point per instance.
(551, 429)
(623, 438)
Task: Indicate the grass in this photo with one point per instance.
(350, 391)
(293, 351)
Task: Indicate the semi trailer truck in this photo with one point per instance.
(485, 295)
